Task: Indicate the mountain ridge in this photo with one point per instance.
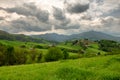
(92, 35)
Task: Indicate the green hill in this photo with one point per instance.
(96, 68)
(18, 37)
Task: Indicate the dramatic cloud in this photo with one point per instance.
(67, 26)
(29, 10)
(1, 18)
(30, 24)
(58, 14)
(25, 24)
(62, 17)
(77, 8)
(61, 21)
(109, 24)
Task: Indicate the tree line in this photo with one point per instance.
(10, 55)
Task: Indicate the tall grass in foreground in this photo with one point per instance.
(97, 68)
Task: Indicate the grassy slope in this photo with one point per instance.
(29, 45)
(18, 43)
(69, 46)
(96, 68)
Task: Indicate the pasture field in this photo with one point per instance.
(86, 65)
(95, 68)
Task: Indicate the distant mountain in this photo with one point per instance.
(94, 35)
(91, 35)
(52, 37)
(19, 37)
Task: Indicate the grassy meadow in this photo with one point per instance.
(83, 63)
(95, 68)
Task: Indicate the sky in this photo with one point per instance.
(35, 17)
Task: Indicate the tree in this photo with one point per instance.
(10, 58)
(54, 54)
(40, 55)
(66, 54)
(2, 59)
(20, 55)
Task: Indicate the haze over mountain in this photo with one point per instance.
(92, 35)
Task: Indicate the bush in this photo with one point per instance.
(32, 56)
(2, 59)
(39, 57)
(38, 46)
(54, 54)
(66, 54)
(10, 58)
(20, 55)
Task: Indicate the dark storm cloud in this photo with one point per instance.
(29, 10)
(73, 26)
(77, 8)
(29, 24)
(1, 18)
(63, 21)
(58, 14)
(67, 26)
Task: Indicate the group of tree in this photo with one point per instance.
(109, 46)
(55, 54)
(10, 55)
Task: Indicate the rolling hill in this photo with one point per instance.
(91, 35)
(18, 37)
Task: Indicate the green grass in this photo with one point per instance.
(18, 43)
(69, 46)
(94, 51)
(96, 68)
(95, 45)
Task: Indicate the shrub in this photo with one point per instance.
(20, 55)
(54, 54)
(32, 56)
(38, 46)
(66, 54)
(2, 59)
(39, 57)
(10, 58)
